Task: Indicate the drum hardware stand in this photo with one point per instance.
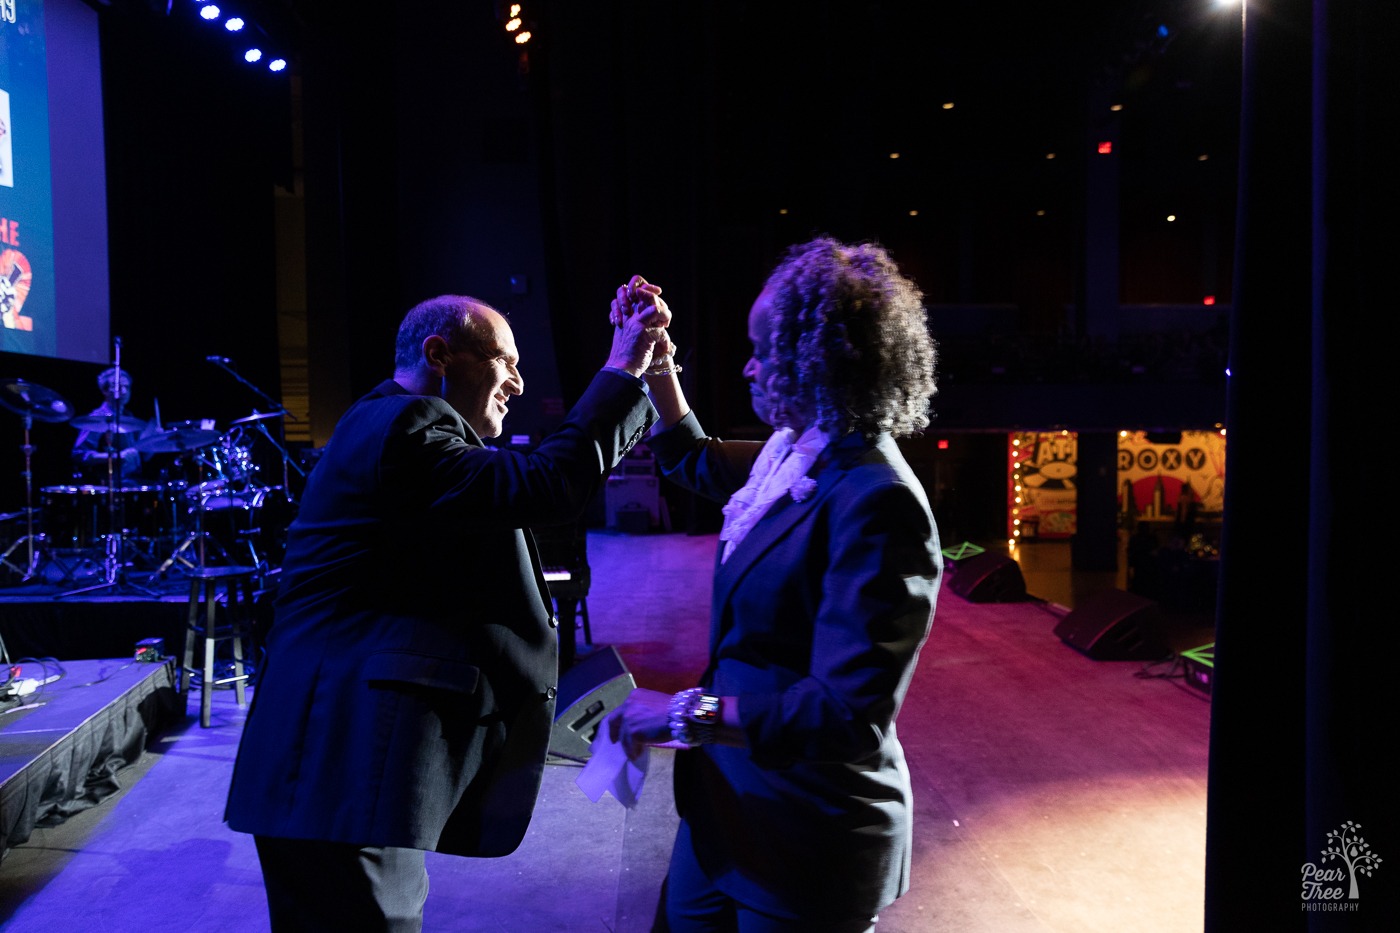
(114, 552)
(31, 563)
(257, 419)
(199, 540)
(190, 440)
(287, 462)
(30, 401)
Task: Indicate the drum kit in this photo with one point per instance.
(210, 506)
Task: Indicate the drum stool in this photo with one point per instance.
(206, 626)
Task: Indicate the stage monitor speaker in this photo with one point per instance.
(1116, 626)
(988, 578)
(588, 691)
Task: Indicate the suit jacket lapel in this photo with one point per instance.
(775, 524)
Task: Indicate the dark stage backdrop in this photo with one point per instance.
(195, 145)
(1303, 712)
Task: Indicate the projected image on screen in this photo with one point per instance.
(53, 221)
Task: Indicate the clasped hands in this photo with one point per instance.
(639, 318)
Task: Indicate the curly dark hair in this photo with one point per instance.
(848, 343)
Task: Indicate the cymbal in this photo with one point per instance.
(177, 441)
(39, 403)
(127, 425)
(256, 416)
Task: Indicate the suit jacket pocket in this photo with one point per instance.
(422, 670)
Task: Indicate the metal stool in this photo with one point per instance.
(237, 623)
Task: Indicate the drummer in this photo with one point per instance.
(90, 450)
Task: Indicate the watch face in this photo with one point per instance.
(706, 710)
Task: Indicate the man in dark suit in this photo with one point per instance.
(794, 796)
(408, 694)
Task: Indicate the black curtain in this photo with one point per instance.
(1302, 720)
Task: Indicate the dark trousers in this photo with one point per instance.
(690, 903)
(330, 886)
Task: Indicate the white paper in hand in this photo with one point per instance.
(608, 769)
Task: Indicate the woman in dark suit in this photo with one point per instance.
(792, 789)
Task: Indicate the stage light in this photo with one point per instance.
(948, 105)
(1208, 300)
(894, 155)
(1049, 155)
(913, 213)
(522, 38)
(1171, 218)
(1106, 147)
(234, 24)
(1116, 108)
(782, 210)
(515, 9)
(513, 25)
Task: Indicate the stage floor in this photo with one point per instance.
(1054, 794)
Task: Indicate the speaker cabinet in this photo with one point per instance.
(1116, 626)
(988, 578)
(588, 691)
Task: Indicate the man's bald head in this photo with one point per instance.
(461, 320)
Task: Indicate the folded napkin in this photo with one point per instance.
(609, 769)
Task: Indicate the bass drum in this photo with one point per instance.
(78, 518)
(251, 524)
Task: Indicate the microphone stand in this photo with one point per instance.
(225, 364)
